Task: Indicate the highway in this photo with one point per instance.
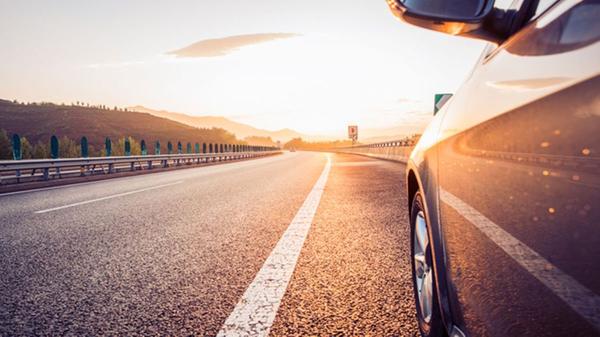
(290, 245)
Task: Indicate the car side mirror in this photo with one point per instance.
(471, 18)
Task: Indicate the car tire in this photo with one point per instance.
(423, 275)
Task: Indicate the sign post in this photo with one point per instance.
(353, 133)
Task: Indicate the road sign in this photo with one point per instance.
(353, 132)
(439, 101)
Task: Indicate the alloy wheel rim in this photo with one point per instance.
(423, 271)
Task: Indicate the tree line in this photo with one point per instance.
(69, 148)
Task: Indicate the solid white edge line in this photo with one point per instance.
(55, 187)
(581, 299)
(107, 197)
(256, 310)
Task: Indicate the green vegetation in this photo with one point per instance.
(260, 141)
(37, 122)
(5, 147)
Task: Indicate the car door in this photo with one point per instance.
(519, 182)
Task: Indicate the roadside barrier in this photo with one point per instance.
(394, 150)
(18, 171)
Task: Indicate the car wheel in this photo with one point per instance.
(427, 304)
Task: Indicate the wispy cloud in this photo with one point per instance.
(409, 100)
(114, 64)
(226, 45)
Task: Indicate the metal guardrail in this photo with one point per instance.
(47, 169)
(398, 150)
(395, 143)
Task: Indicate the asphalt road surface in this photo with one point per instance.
(291, 245)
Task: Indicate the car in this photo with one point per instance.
(504, 185)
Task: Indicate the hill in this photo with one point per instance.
(39, 121)
(239, 129)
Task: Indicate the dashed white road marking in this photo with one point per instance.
(255, 312)
(107, 197)
(584, 301)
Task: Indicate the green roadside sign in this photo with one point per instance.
(439, 101)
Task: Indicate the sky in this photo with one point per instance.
(315, 66)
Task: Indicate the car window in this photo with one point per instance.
(575, 28)
(541, 7)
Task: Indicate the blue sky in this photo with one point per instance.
(314, 66)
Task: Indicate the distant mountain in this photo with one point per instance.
(239, 129)
(39, 121)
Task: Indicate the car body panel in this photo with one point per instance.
(519, 144)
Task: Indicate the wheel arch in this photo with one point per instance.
(412, 185)
(428, 189)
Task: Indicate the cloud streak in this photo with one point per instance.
(227, 45)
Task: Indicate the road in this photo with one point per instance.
(320, 238)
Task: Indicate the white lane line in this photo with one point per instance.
(584, 301)
(255, 312)
(107, 197)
